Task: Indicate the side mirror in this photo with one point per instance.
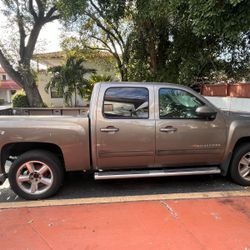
(206, 112)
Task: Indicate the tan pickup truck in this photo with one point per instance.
(132, 130)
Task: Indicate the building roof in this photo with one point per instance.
(52, 59)
(2, 70)
(9, 84)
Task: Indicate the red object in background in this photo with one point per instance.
(215, 90)
(241, 90)
(9, 84)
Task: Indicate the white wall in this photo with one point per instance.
(230, 103)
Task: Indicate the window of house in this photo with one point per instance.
(54, 93)
(126, 103)
(4, 77)
(178, 104)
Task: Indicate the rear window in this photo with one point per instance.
(126, 103)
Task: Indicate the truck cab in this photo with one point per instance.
(146, 125)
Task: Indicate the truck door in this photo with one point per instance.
(183, 138)
(125, 127)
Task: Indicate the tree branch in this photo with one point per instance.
(32, 10)
(98, 48)
(100, 25)
(110, 23)
(9, 69)
(22, 36)
(114, 53)
(32, 40)
(53, 18)
(50, 17)
(51, 12)
(41, 8)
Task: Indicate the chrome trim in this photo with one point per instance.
(167, 130)
(155, 173)
(107, 130)
(34, 177)
(244, 167)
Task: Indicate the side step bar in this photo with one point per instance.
(127, 174)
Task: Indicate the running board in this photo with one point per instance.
(127, 174)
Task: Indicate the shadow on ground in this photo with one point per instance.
(79, 185)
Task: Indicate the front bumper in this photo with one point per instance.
(2, 178)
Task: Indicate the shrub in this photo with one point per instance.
(19, 99)
(1, 101)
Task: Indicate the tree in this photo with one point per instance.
(93, 80)
(69, 79)
(181, 41)
(103, 25)
(185, 41)
(29, 16)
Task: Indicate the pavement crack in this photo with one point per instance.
(169, 209)
(37, 232)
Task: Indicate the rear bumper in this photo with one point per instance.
(2, 178)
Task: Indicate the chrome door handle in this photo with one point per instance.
(109, 129)
(168, 129)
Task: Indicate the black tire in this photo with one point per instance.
(234, 166)
(43, 156)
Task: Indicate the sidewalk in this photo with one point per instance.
(222, 223)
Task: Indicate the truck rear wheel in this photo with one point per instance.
(240, 165)
(36, 174)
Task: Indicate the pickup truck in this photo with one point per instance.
(132, 130)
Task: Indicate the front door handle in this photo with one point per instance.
(109, 129)
(168, 129)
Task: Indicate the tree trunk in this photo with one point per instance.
(75, 96)
(33, 95)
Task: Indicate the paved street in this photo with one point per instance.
(79, 185)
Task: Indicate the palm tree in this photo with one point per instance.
(69, 79)
(93, 80)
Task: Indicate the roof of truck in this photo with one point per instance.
(147, 84)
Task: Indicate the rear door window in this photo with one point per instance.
(126, 103)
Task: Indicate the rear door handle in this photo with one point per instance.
(109, 129)
(168, 129)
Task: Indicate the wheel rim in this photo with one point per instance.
(244, 167)
(34, 177)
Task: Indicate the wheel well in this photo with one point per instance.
(16, 149)
(241, 141)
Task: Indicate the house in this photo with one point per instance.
(102, 62)
(7, 87)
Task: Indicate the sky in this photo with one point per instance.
(49, 36)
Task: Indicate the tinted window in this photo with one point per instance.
(178, 104)
(126, 102)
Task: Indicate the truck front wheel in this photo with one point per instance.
(36, 174)
(240, 165)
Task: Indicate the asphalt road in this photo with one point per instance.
(79, 185)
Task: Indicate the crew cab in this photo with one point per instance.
(132, 130)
